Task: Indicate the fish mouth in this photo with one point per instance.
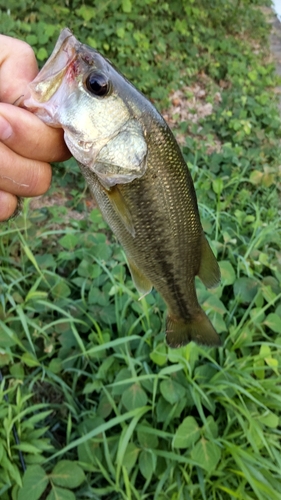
(49, 79)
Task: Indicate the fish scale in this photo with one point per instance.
(138, 176)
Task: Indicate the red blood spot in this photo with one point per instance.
(72, 71)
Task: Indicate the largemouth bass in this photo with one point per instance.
(137, 174)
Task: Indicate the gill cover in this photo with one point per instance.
(123, 158)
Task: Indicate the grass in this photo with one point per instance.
(93, 403)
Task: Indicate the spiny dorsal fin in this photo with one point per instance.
(209, 271)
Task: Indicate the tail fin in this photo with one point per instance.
(199, 329)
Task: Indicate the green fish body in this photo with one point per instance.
(137, 174)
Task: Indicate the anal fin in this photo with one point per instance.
(209, 271)
(143, 285)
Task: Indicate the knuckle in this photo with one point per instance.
(26, 49)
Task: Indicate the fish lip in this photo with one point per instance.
(49, 79)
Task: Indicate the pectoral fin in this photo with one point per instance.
(143, 285)
(209, 271)
(121, 208)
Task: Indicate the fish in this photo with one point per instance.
(137, 174)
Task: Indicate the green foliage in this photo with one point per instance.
(152, 42)
(65, 476)
(101, 406)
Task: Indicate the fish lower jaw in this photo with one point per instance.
(46, 113)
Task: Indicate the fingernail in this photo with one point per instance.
(5, 129)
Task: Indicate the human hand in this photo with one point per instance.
(27, 145)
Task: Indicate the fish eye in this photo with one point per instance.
(98, 84)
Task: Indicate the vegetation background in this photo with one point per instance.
(92, 403)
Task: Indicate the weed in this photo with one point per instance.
(101, 406)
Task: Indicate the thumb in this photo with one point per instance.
(18, 67)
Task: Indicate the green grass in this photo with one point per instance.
(100, 406)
